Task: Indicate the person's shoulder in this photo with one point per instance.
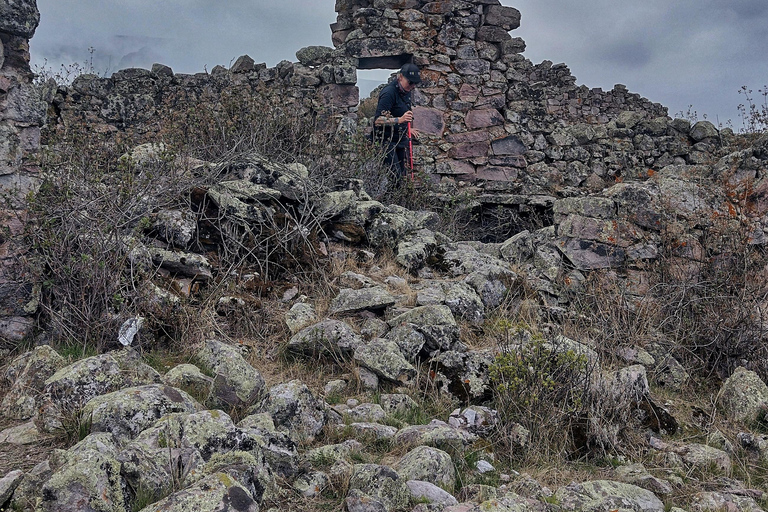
(388, 90)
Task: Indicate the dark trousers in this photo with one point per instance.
(396, 158)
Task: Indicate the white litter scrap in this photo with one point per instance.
(129, 330)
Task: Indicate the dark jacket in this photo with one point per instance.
(397, 102)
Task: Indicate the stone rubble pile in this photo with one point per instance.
(148, 437)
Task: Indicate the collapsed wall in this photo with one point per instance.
(486, 113)
(22, 113)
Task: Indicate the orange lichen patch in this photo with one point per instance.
(731, 210)
(651, 173)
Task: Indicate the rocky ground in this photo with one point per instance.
(390, 394)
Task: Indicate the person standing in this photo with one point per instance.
(392, 118)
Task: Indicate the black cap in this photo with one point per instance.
(411, 73)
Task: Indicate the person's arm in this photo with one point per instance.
(383, 115)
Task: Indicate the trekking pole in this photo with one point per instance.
(410, 148)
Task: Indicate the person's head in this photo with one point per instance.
(409, 77)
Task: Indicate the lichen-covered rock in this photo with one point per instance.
(245, 468)
(756, 444)
(427, 464)
(214, 493)
(414, 249)
(182, 263)
(278, 448)
(358, 501)
(327, 338)
(8, 484)
(717, 501)
(331, 453)
(28, 374)
(476, 419)
(431, 493)
(701, 456)
(367, 431)
(383, 357)
(464, 374)
(26, 433)
(437, 434)
(19, 18)
(189, 378)
(397, 403)
(299, 316)
(311, 484)
(381, 483)
(236, 382)
(294, 408)
(409, 340)
(436, 323)
(744, 397)
(175, 227)
(27, 493)
(68, 390)
(131, 410)
(371, 413)
(86, 477)
(636, 474)
(511, 502)
(350, 300)
(607, 495)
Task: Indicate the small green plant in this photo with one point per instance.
(543, 388)
(75, 426)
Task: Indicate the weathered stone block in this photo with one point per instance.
(483, 118)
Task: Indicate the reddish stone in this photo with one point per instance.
(458, 138)
(483, 118)
(340, 95)
(428, 120)
(469, 92)
(470, 149)
(492, 173)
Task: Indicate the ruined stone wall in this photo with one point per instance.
(486, 113)
(138, 103)
(22, 113)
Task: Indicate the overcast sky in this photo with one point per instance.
(678, 53)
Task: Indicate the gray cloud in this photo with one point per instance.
(697, 52)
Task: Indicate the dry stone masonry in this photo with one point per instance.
(22, 113)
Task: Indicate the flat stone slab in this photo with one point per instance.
(351, 301)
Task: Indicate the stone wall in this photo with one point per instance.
(486, 113)
(22, 113)
(139, 102)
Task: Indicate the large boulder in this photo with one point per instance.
(236, 382)
(744, 396)
(86, 477)
(383, 357)
(214, 493)
(28, 374)
(607, 495)
(294, 408)
(382, 484)
(70, 388)
(131, 410)
(427, 464)
(332, 338)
